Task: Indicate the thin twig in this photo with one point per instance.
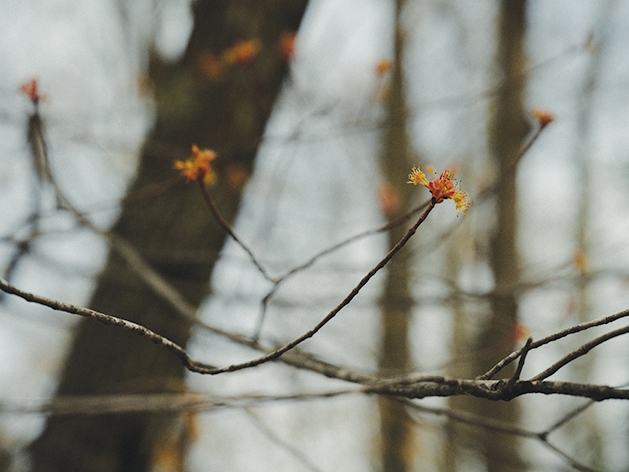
(386, 227)
(553, 337)
(229, 230)
(491, 424)
(571, 461)
(135, 328)
(465, 417)
(200, 367)
(581, 351)
(295, 453)
(518, 371)
(186, 402)
(287, 347)
(567, 417)
(428, 386)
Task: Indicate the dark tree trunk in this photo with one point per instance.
(508, 128)
(228, 114)
(507, 131)
(396, 429)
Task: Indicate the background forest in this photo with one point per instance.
(317, 111)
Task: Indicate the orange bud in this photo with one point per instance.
(210, 66)
(520, 332)
(287, 45)
(236, 176)
(580, 261)
(243, 52)
(198, 166)
(543, 117)
(30, 89)
(383, 66)
(388, 199)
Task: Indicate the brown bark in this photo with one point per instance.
(508, 128)
(396, 303)
(507, 131)
(228, 115)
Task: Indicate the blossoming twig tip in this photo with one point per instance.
(441, 188)
(31, 90)
(543, 117)
(198, 167)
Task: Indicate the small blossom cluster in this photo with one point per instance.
(383, 66)
(441, 188)
(543, 117)
(198, 166)
(31, 90)
(244, 54)
(287, 45)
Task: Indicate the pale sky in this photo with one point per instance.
(89, 66)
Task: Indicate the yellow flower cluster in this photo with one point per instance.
(198, 166)
(243, 52)
(441, 188)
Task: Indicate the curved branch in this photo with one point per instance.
(135, 328)
(200, 367)
(417, 387)
(329, 250)
(497, 389)
(548, 339)
(229, 230)
(287, 347)
(581, 351)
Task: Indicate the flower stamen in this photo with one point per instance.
(441, 188)
(198, 166)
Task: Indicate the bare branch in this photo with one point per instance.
(200, 367)
(518, 370)
(135, 328)
(428, 386)
(187, 402)
(229, 230)
(498, 426)
(567, 417)
(287, 347)
(471, 419)
(581, 351)
(386, 227)
(284, 445)
(548, 339)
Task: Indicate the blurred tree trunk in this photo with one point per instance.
(583, 151)
(396, 303)
(461, 249)
(508, 128)
(227, 112)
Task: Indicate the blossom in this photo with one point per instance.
(389, 199)
(383, 66)
(417, 177)
(211, 66)
(286, 45)
(236, 176)
(243, 52)
(441, 188)
(198, 166)
(543, 117)
(520, 332)
(580, 261)
(30, 89)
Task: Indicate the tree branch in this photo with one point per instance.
(408, 387)
(548, 339)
